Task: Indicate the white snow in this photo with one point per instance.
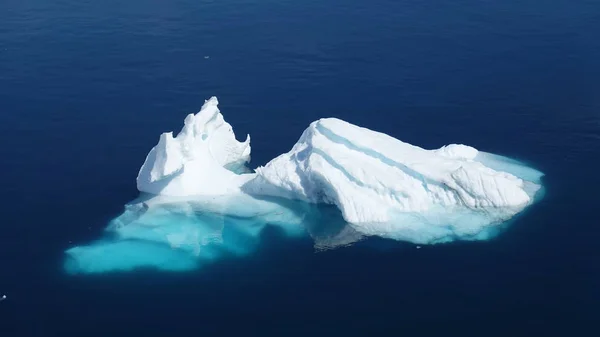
(204, 158)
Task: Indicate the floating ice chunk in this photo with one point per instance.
(371, 177)
(392, 188)
(200, 204)
(204, 158)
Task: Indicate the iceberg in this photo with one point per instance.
(204, 157)
(340, 183)
(389, 188)
(370, 175)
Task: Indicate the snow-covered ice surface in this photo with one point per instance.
(389, 188)
(204, 158)
(199, 201)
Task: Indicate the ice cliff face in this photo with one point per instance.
(204, 158)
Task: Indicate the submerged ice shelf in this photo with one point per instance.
(200, 201)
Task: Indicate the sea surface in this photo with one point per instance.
(86, 87)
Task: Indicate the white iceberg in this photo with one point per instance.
(371, 176)
(197, 187)
(386, 187)
(379, 183)
(204, 157)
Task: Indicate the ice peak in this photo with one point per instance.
(205, 146)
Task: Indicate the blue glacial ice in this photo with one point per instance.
(339, 184)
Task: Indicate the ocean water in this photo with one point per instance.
(86, 87)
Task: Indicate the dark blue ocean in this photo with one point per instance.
(86, 87)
